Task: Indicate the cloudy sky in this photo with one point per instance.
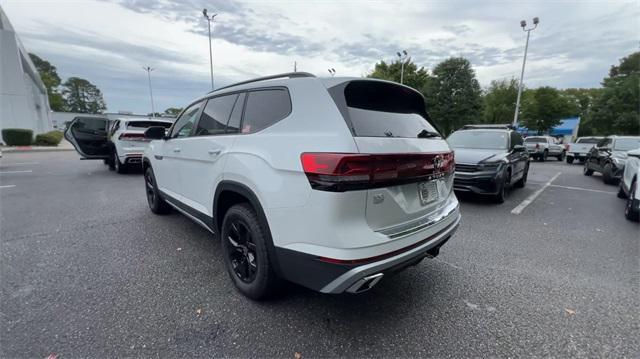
(108, 42)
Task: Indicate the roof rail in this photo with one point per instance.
(290, 75)
(489, 126)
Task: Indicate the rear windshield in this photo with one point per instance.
(379, 109)
(146, 124)
(535, 140)
(588, 140)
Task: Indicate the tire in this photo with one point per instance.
(621, 193)
(156, 203)
(522, 181)
(501, 196)
(244, 247)
(118, 166)
(607, 174)
(586, 170)
(562, 156)
(569, 160)
(631, 213)
(544, 156)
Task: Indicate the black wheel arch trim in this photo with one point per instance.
(246, 192)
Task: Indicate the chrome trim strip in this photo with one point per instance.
(347, 279)
(421, 223)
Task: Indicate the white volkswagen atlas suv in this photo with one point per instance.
(331, 183)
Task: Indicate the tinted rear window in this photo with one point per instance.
(264, 108)
(380, 109)
(535, 140)
(146, 124)
(588, 140)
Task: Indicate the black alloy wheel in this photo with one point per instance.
(242, 251)
(156, 203)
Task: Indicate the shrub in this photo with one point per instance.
(17, 136)
(51, 138)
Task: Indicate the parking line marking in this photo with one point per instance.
(6, 172)
(20, 163)
(527, 201)
(8, 186)
(582, 189)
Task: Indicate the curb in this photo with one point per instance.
(33, 149)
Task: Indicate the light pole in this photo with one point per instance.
(523, 24)
(402, 60)
(209, 19)
(148, 70)
(332, 71)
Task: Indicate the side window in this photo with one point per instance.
(184, 124)
(215, 115)
(234, 121)
(264, 108)
(605, 142)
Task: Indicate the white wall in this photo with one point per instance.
(23, 98)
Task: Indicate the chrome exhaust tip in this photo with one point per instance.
(366, 283)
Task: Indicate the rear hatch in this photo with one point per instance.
(533, 144)
(412, 165)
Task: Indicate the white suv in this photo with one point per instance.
(120, 142)
(331, 183)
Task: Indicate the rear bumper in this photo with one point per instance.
(356, 275)
(579, 156)
(480, 183)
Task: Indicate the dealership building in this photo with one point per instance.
(23, 98)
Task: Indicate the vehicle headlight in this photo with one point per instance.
(490, 166)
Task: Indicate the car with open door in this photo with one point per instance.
(120, 143)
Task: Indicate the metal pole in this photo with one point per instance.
(153, 109)
(524, 61)
(210, 51)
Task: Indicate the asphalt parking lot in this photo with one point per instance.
(87, 271)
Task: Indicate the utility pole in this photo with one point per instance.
(402, 61)
(209, 20)
(523, 24)
(148, 70)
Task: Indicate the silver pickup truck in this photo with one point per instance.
(541, 147)
(578, 150)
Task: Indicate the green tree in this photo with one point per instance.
(173, 111)
(543, 108)
(413, 76)
(617, 109)
(82, 96)
(500, 101)
(49, 76)
(580, 101)
(453, 95)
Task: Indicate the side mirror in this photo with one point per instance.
(519, 148)
(155, 133)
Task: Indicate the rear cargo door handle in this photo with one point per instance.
(214, 152)
(176, 150)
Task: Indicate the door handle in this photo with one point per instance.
(176, 150)
(214, 152)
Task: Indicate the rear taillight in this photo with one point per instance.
(132, 136)
(339, 172)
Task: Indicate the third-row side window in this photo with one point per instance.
(264, 108)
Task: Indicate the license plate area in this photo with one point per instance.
(428, 192)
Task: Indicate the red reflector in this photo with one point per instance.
(346, 171)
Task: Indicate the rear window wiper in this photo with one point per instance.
(428, 134)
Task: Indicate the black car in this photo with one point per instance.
(609, 156)
(489, 159)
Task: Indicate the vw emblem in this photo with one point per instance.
(437, 163)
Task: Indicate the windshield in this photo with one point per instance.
(535, 140)
(626, 144)
(588, 140)
(134, 125)
(489, 140)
